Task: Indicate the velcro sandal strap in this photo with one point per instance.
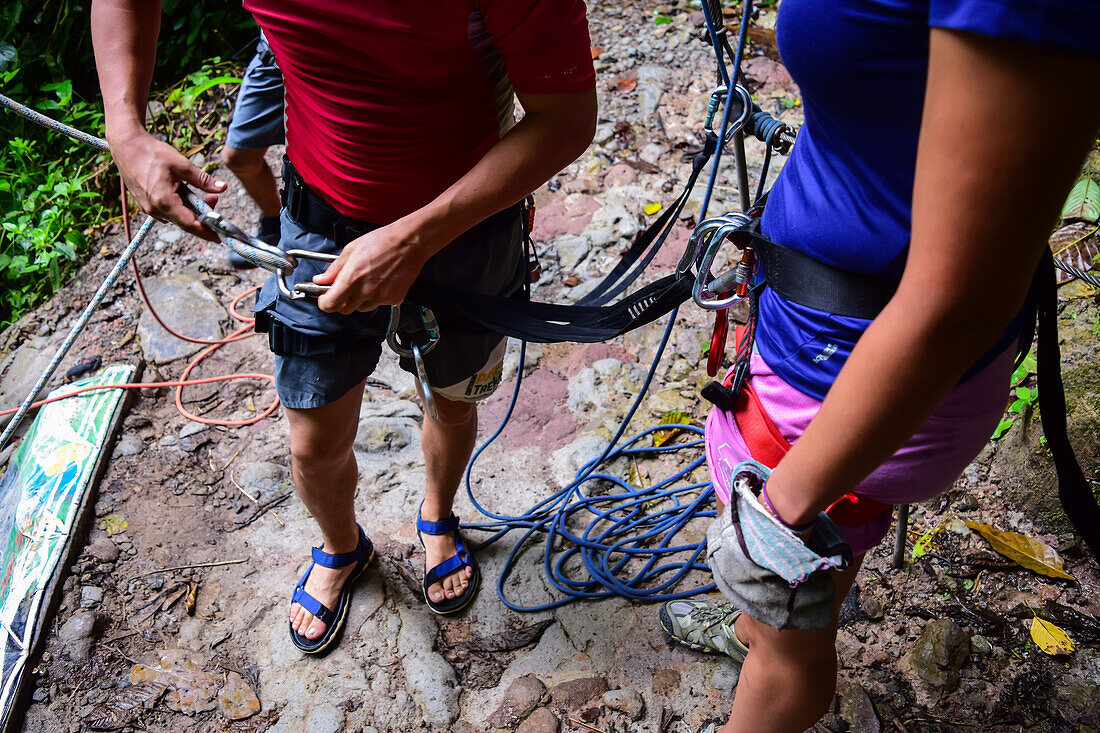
(445, 568)
(342, 559)
(450, 524)
(323, 613)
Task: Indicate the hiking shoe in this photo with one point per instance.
(268, 232)
(704, 626)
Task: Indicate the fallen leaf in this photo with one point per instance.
(189, 601)
(626, 84)
(113, 523)
(596, 51)
(1050, 638)
(652, 208)
(124, 707)
(572, 281)
(1032, 554)
(1083, 203)
(236, 700)
(675, 417)
(920, 547)
(636, 478)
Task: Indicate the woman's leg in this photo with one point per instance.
(789, 677)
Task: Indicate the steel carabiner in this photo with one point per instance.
(306, 288)
(712, 293)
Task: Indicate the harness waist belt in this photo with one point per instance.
(801, 279)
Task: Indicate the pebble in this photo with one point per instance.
(571, 694)
(540, 721)
(103, 549)
(626, 701)
(90, 595)
(872, 608)
(40, 695)
(325, 718)
(980, 645)
(77, 635)
(522, 696)
(129, 445)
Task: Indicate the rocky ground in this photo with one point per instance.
(140, 642)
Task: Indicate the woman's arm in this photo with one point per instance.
(1004, 130)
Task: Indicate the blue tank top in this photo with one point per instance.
(844, 196)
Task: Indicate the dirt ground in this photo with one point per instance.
(142, 641)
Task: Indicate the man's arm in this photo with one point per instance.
(378, 268)
(990, 176)
(124, 35)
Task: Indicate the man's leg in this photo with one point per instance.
(325, 473)
(789, 677)
(447, 442)
(250, 168)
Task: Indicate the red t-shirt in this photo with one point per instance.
(389, 102)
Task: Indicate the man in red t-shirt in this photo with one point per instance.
(404, 158)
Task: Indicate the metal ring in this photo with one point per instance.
(746, 112)
(702, 296)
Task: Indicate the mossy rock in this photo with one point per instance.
(1022, 461)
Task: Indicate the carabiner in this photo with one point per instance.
(306, 288)
(425, 387)
(708, 291)
(252, 249)
(427, 320)
(720, 93)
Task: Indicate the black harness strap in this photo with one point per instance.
(1073, 488)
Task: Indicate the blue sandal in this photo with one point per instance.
(462, 558)
(333, 619)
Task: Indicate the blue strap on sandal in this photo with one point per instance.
(462, 558)
(333, 619)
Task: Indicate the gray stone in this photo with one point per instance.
(392, 408)
(724, 677)
(430, 679)
(626, 701)
(565, 462)
(192, 428)
(21, 370)
(932, 665)
(571, 694)
(386, 435)
(325, 718)
(872, 608)
(651, 85)
(858, 711)
(77, 635)
(129, 445)
(541, 721)
(263, 478)
(981, 646)
(90, 595)
(522, 696)
(186, 306)
(103, 549)
(571, 249)
(168, 234)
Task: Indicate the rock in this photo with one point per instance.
(980, 646)
(967, 503)
(619, 174)
(129, 445)
(188, 307)
(103, 549)
(263, 478)
(651, 85)
(77, 635)
(386, 435)
(723, 679)
(565, 462)
(932, 665)
(522, 696)
(872, 608)
(626, 701)
(571, 249)
(431, 680)
(325, 718)
(572, 694)
(41, 694)
(858, 711)
(21, 370)
(192, 428)
(90, 595)
(541, 721)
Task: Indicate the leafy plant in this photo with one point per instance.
(1025, 397)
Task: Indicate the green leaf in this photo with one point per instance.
(1025, 394)
(1027, 367)
(1083, 203)
(1002, 428)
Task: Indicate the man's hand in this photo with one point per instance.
(374, 270)
(153, 171)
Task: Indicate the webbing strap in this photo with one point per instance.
(551, 322)
(1073, 488)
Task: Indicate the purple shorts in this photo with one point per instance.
(924, 467)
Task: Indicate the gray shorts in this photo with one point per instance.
(329, 353)
(258, 115)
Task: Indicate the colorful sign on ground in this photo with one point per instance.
(41, 493)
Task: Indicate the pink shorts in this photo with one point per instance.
(924, 467)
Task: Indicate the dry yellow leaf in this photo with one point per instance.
(660, 437)
(1034, 555)
(1050, 638)
(652, 208)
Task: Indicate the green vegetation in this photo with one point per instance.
(56, 192)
